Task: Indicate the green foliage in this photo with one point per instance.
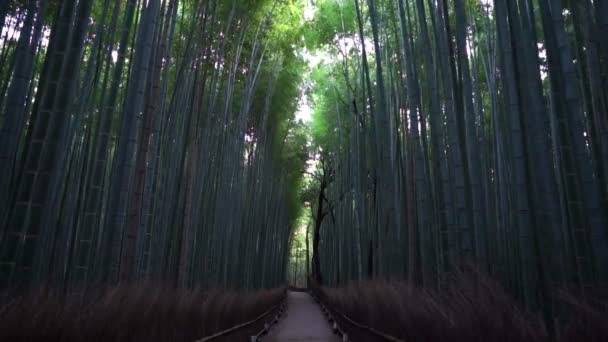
(330, 112)
(287, 27)
(333, 18)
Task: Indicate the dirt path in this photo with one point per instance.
(304, 322)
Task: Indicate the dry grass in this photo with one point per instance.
(470, 308)
(129, 313)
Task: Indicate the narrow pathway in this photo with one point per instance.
(304, 322)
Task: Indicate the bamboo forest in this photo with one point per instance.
(304, 170)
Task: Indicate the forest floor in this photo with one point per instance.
(304, 322)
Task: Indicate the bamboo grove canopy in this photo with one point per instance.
(148, 141)
(156, 140)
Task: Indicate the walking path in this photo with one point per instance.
(304, 322)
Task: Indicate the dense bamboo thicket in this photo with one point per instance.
(156, 142)
(451, 132)
(148, 140)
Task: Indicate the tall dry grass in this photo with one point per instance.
(470, 307)
(129, 313)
